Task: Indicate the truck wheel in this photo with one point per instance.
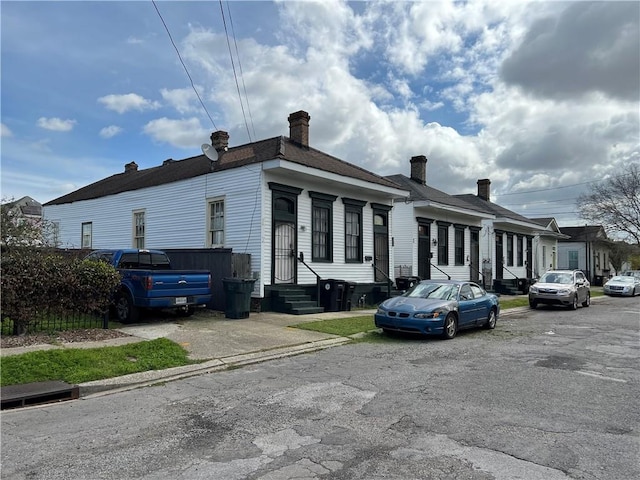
(126, 311)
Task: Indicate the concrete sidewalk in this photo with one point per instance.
(218, 342)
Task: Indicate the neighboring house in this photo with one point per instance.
(26, 209)
(279, 200)
(586, 249)
(545, 246)
(436, 235)
(510, 244)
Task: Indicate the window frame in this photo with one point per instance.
(211, 221)
(138, 240)
(322, 203)
(458, 235)
(520, 251)
(509, 249)
(353, 207)
(84, 235)
(443, 242)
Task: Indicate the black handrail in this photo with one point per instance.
(448, 276)
(389, 281)
(301, 260)
(471, 267)
(505, 268)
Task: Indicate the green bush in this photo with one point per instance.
(37, 281)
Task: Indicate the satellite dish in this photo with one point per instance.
(210, 152)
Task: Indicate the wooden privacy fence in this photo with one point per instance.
(221, 262)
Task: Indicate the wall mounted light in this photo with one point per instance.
(434, 242)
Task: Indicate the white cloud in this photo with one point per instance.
(184, 133)
(110, 131)
(5, 131)
(126, 102)
(56, 124)
(184, 100)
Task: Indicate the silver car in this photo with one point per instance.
(561, 287)
(622, 285)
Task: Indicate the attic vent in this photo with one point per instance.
(168, 161)
(131, 167)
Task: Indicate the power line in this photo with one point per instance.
(564, 186)
(244, 87)
(233, 66)
(183, 65)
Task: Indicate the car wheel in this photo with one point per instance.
(450, 327)
(574, 303)
(533, 304)
(587, 300)
(490, 324)
(126, 311)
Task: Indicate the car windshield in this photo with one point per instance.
(623, 279)
(555, 277)
(443, 291)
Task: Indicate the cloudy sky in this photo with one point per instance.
(542, 98)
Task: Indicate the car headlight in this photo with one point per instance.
(565, 291)
(430, 315)
(533, 289)
(381, 311)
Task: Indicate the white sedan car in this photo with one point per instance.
(622, 285)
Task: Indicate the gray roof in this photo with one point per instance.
(175, 170)
(494, 209)
(418, 191)
(585, 233)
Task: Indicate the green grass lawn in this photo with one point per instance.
(77, 365)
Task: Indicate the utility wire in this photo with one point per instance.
(564, 186)
(244, 87)
(183, 65)
(235, 76)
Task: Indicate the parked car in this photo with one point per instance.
(633, 273)
(149, 282)
(438, 307)
(622, 285)
(561, 287)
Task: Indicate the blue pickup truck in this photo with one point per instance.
(148, 282)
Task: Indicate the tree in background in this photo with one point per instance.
(20, 230)
(621, 253)
(615, 204)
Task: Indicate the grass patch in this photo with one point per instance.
(508, 303)
(340, 326)
(76, 365)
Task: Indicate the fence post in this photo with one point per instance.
(105, 320)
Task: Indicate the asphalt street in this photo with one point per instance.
(549, 394)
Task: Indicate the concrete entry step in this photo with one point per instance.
(37, 393)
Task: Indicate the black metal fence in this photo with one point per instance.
(49, 321)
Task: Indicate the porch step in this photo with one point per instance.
(38, 393)
(294, 301)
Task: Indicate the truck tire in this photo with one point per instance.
(126, 311)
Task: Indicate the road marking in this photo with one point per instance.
(599, 375)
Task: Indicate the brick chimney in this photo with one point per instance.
(299, 128)
(484, 189)
(220, 140)
(131, 167)
(419, 169)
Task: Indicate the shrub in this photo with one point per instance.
(38, 282)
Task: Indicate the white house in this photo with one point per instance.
(586, 249)
(299, 212)
(465, 237)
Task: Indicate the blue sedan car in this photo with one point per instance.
(439, 307)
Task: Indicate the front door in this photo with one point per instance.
(424, 251)
(284, 242)
(499, 256)
(284, 253)
(381, 243)
(474, 260)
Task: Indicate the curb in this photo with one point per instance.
(98, 388)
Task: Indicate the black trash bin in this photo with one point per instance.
(405, 283)
(331, 294)
(237, 292)
(349, 288)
